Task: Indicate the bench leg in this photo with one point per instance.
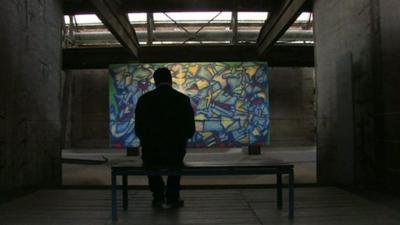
(279, 189)
(291, 194)
(114, 197)
(124, 192)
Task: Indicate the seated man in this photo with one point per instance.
(164, 122)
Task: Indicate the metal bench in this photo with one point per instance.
(262, 167)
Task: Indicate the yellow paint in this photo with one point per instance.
(180, 75)
(176, 68)
(193, 69)
(226, 122)
(220, 80)
(128, 79)
(215, 94)
(238, 90)
(211, 70)
(256, 132)
(202, 84)
(239, 106)
(200, 117)
(206, 134)
(179, 81)
(199, 126)
(244, 139)
(209, 98)
(251, 71)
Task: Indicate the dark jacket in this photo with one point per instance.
(164, 122)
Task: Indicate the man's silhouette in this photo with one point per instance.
(164, 122)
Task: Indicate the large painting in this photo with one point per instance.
(230, 100)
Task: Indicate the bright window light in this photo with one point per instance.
(160, 17)
(304, 17)
(66, 19)
(87, 19)
(244, 17)
(192, 16)
(137, 17)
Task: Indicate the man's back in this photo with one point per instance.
(164, 123)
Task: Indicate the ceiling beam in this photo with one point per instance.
(100, 58)
(73, 7)
(278, 22)
(112, 16)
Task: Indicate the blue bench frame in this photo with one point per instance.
(205, 169)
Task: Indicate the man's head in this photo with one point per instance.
(162, 76)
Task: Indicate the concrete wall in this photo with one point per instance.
(291, 99)
(343, 65)
(30, 53)
(291, 96)
(388, 86)
(357, 64)
(87, 108)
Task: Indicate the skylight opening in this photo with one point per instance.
(252, 17)
(137, 17)
(304, 17)
(192, 17)
(66, 20)
(185, 28)
(84, 19)
(87, 19)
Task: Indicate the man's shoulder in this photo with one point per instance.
(170, 93)
(146, 95)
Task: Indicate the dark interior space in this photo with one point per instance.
(333, 110)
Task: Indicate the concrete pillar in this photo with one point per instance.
(387, 84)
(352, 40)
(344, 69)
(30, 51)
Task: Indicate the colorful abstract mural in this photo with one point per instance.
(230, 100)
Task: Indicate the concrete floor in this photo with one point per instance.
(303, 158)
(313, 206)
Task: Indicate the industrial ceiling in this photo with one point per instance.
(279, 31)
